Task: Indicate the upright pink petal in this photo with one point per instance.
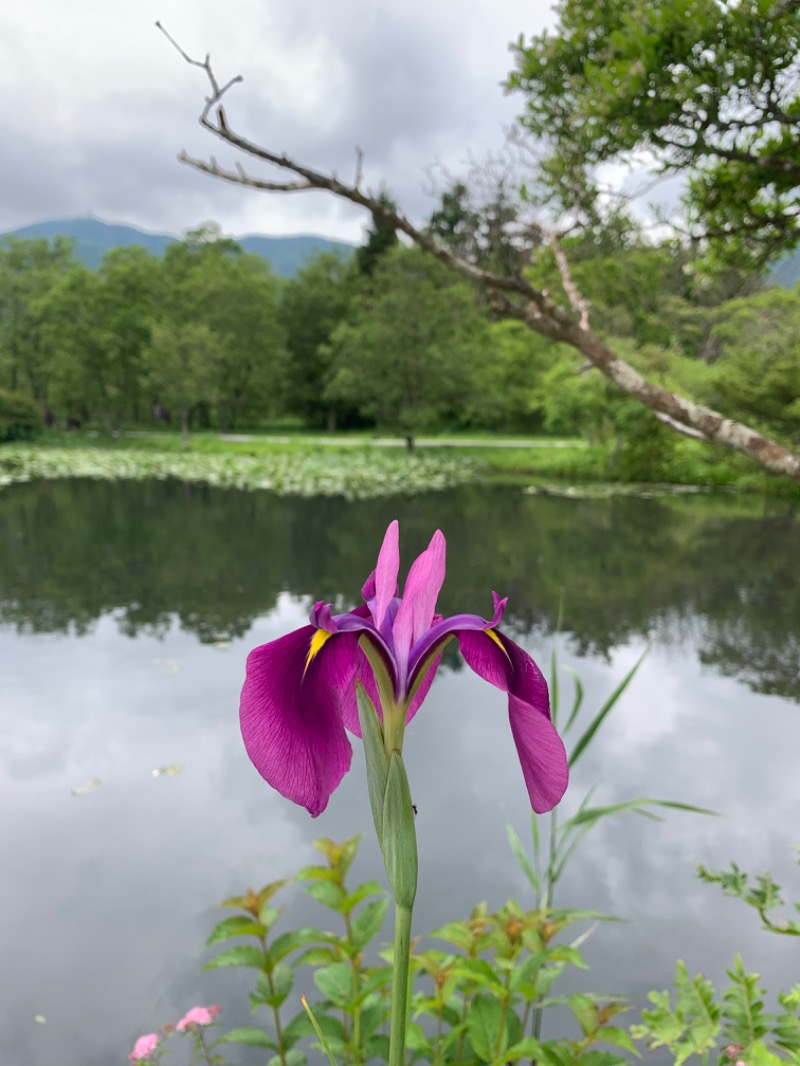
(418, 603)
(291, 718)
(380, 588)
(386, 572)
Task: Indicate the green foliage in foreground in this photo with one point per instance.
(762, 893)
(19, 416)
(476, 982)
(355, 475)
(699, 1021)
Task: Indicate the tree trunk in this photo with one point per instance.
(185, 427)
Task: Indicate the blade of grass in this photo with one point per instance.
(523, 860)
(318, 1031)
(600, 717)
(576, 706)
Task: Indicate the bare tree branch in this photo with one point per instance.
(510, 295)
(579, 304)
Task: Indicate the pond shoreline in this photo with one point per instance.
(357, 466)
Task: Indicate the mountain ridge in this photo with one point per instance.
(93, 237)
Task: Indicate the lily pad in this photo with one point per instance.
(90, 786)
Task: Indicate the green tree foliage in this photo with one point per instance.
(405, 357)
(381, 238)
(489, 234)
(181, 365)
(210, 281)
(311, 306)
(758, 373)
(28, 272)
(704, 87)
(19, 416)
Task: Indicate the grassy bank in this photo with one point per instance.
(357, 465)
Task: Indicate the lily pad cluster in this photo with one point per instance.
(352, 474)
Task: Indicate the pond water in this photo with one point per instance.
(127, 610)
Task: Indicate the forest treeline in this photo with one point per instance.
(207, 337)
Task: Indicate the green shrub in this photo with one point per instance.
(19, 416)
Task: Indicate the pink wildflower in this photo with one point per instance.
(144, 1047)
(198, 1016)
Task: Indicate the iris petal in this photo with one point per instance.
(504, 664)
(418, 603)
(541, 754)
(291, 718)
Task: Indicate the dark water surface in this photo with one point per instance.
(127, 610)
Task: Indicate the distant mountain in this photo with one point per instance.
(786, 271)
(93, 238)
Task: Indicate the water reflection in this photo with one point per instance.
(688, 570)
(108, 897)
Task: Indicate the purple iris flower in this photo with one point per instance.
(299, 695)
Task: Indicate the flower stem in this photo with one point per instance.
(402, 958)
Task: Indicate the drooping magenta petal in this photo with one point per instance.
(418, 603)
(291, 717)
(541, 754)
(509, 667)
(541, 751)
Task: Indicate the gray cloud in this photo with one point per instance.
(102, 104)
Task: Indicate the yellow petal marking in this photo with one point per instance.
(491, 633)
(317, 641)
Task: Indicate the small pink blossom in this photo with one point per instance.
(144, 1047)
(198, 1016)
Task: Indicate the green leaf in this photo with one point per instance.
(576, 706)
(326, 893)
(268, 891)
(399, 835)
(369, 888)
(318, 1031)
(250, 1036)
(638, 805)
(458, 933)
(301, 1026)
(377, 1047)
(367, 923)
(335, 982)
(372, 1017)
(375, 754)
(242, 955)
(611, 1034)
(602, 1058)
(236, 926)
(524, 977)
(607, 707)
(293, 1057)
(268, 916)
(522, 858)
(298, 938)
(478, 971)
(529, 1048)
(485, 1029)
(282, 983)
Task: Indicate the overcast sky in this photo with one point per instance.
(97, 103)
